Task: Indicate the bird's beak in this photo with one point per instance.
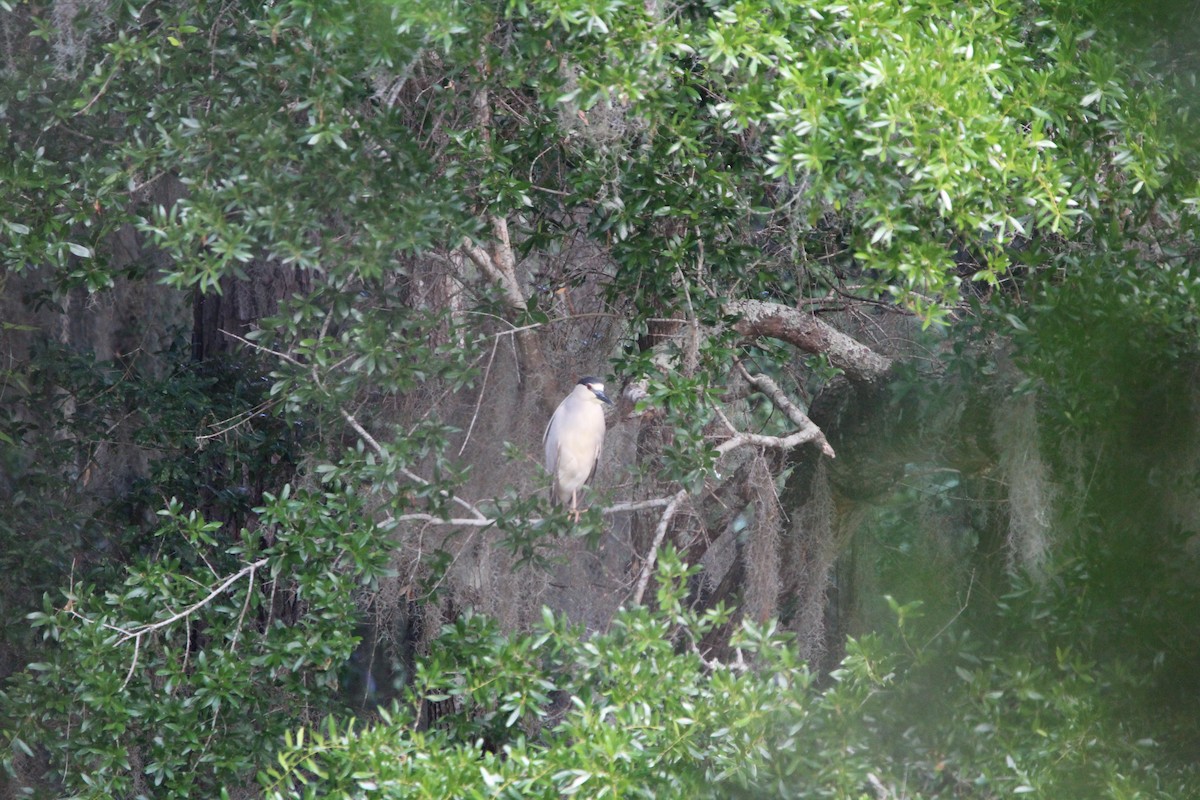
(602, 396)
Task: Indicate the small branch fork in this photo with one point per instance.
(136, 634)
(808, 430)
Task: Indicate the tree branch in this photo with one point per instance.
(288, 357)
(809, 431)
(501, 267)
(776, 442)
(136, 634)
(249, 569)
(362, 432)
(807, 332)
(379, 450)
(484, 521)
(660, 533)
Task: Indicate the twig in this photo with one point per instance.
(350, 420)
(137, 646)
(692, 353)
(412, 476)
(714, 665)
(512, 329)
(316, 376)
(957, 614)
(242, 617)
(487, 371)
(99, 94)
(285, 356)
(660, 533)
(230, 424)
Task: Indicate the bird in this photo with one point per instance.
(573, 440)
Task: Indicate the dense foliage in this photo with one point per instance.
(647, 716)
(262, 264)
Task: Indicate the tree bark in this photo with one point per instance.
(758, 318)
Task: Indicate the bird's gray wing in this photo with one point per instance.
(596, 458)
(551, 454)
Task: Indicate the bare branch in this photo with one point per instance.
(637, 505)
(433, 519)
(809, 431)
(500, 265)
(483, 521)
(660, 533)
(285, 356)
(767, 385)
(487, 372)
(776, 442)
(242, 617)
(363, 433)
(966, 602)
(236, 421)
(715, 665)
(136, 634)
(137, 646)
(482, 259)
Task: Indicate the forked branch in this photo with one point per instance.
(137, 633)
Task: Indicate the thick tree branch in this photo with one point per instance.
(758, 318)
(500, 267)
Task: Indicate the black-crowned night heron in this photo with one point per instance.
(573, 440)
